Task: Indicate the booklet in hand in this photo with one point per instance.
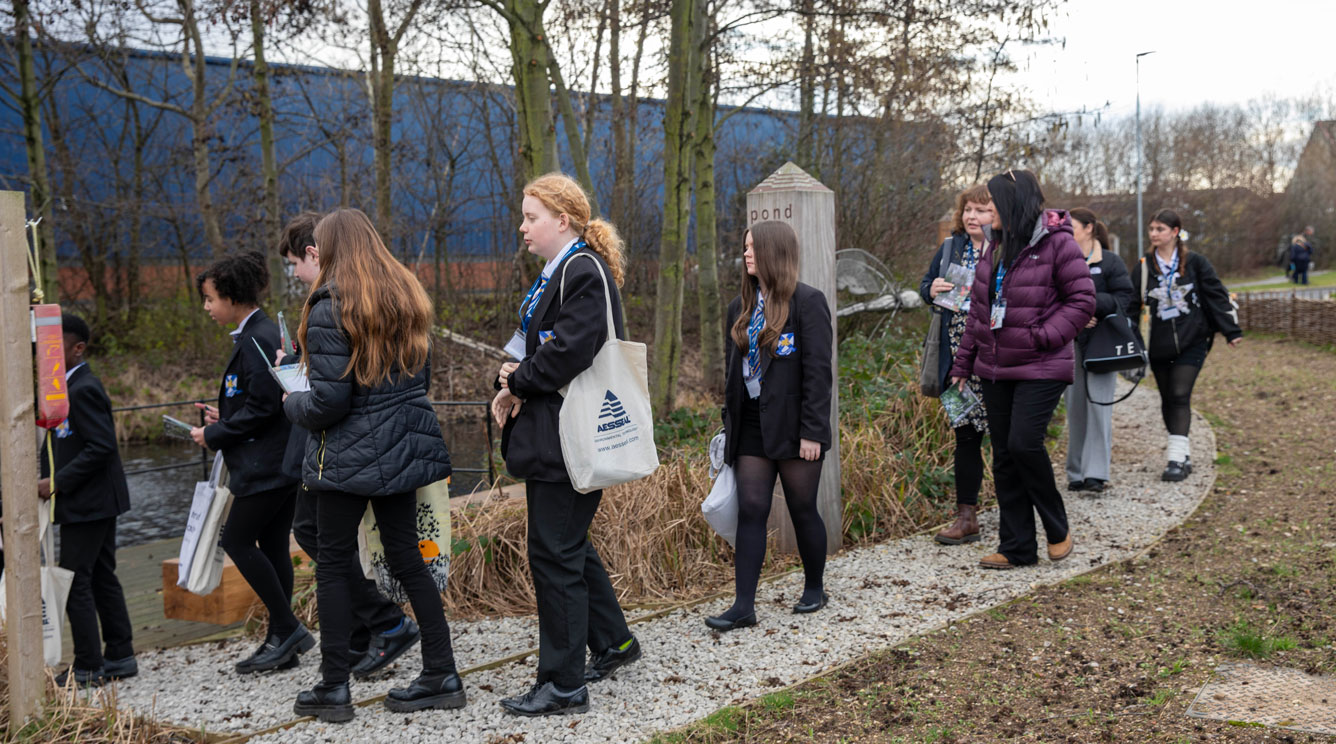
(176, 428)
(958, 403)
(954, 299)
(291, 377)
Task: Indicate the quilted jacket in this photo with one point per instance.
(1050, 298)
(364, 441)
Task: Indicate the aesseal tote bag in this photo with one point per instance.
(606, 425)
(55, 590)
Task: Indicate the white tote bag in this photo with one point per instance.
(607, 428)
(206, 567)
(721, 506)
(56, 583)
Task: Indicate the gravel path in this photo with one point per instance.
(880, 596)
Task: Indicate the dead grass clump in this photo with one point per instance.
(72, 715)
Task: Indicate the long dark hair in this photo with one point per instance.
(1087, 217)
(1170, 217)
(1019, 201)
(775, 248)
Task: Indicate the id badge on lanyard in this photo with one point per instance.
(998, 313)
(1169, 310)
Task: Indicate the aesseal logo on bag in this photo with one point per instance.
(612, 415)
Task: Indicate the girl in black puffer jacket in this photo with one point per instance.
(1188, 305)
(374, 439)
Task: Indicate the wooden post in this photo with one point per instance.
(18, 469)
(790, 195)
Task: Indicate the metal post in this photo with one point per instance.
(1141, 224)
(491, 465)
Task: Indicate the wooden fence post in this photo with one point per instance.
(790, 195)
(18, 469)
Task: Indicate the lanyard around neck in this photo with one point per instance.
(535, 294)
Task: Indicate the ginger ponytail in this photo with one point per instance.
(603, 237)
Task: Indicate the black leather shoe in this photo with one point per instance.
(82, 677)
(543, 700)
(384, 649)
(601, 665)
(120, 668)
(1176, 471)
(1076, 485)
(329, 703)
(275, 653)
(803, 609)
(429, 690)
(723, 624)
(1093, 485)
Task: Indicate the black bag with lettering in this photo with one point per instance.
(1114, 345)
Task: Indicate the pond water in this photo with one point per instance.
(160, 501)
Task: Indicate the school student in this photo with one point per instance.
(562, 326)
(381, 632)
(777, 394)
(366, 332)
(89, 488)
(252, 433)
(1188, 306)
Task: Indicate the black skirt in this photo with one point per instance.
(750, 442)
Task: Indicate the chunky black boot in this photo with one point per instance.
(429, 690)
(329, 703)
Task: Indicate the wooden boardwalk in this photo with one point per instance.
(140, 570)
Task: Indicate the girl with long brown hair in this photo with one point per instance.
(777, 394)
(563, 323)
(375, 440)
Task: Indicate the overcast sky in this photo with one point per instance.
(1227, 51)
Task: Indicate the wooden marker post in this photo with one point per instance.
(790, 195)
(18, 469)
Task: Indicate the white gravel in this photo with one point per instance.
(880, 596)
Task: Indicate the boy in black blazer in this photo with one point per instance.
(250, 429)
(89, 489)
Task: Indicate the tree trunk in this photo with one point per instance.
(620, 175)
(268, 162)
(572, 129)
(382, 116)
(807, 88)
(676, 209)
(200, 114)
(707, 250)
(31, 105)
(533, 99)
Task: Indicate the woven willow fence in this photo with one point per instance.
(1289, 314)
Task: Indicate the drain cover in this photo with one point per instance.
(1286, 698)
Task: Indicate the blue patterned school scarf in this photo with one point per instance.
(535, 294)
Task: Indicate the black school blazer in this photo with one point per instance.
(89, 479)
(795, 388)
(531, 442)
(252, 431)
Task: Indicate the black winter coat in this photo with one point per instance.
(295, 453)
(1113, 290)
(251, 430)
(364, 441)
(574, 324)
(946, 355)
(1211, 310)
(89, 480)
(795, 387)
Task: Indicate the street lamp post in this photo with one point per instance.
(1141, 225)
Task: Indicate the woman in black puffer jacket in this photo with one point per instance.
(374, 439)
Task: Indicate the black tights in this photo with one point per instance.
(969, 464)
(756, 485)
(1175, 382)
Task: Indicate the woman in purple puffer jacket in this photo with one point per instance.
(1032, 295)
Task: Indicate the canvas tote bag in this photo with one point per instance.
(606, 426)
(433, 530)
(56, 583)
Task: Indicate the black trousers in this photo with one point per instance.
(396, 516)
(255, 537)
(968, 464)
(577, 606)
(1018, 417)
(89, 550)
(372, 612)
